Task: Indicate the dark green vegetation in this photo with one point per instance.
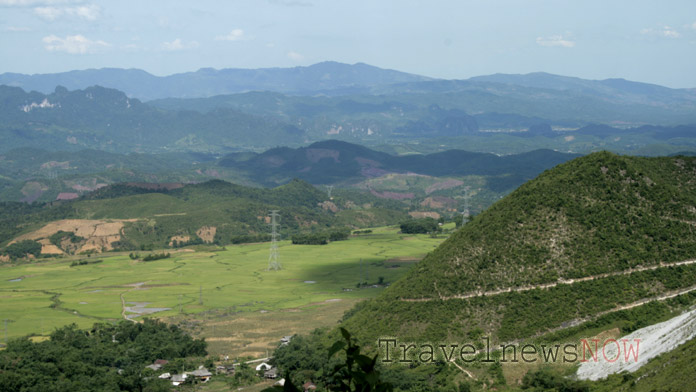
(333, 161)
(23, 249)
(612, 219)
(351, 371)
(320, 238)
(211, 212)
(420, 226)
(16, 217)
(595, 215)
(305, 359)
(156, 256)
(104, 358)
(31, 174)
(433, 182)
(78, 263)
(598, 214)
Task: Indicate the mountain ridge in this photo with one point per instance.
(325, 77)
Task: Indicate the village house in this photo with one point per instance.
(271, 373)
(179, 379)
(202, 374)
(157, 365)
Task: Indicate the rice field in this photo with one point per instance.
(227, 292)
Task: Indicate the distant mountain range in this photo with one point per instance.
(356, 103)
(327, 77)
(106, 119)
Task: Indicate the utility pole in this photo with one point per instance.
(200, 295)
(5, 332)
(329, 188)
(273, 262)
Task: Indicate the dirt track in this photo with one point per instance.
(546, 285)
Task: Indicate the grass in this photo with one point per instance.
(229, 287)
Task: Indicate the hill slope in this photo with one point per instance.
(334, 161)
(582, 239)
(144, 216)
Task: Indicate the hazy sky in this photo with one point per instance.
(650, 41)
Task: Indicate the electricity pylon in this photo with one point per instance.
(273, 262)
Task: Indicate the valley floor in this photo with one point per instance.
(224, 294)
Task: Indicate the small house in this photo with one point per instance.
(309, 386)
(202, 374)
(179, 379)
(271, 374)
(157, 365)
(263, 366)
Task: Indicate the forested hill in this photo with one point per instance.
(334, 161)
(136, 216)
(613, 218)
(106, 119)
(593, 215)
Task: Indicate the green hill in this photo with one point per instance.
(593, 230)
(136, 216)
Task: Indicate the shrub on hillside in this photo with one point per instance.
(23, 248)
(420, 226)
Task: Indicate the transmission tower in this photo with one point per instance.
(465, 211)
(273, 263)
(329, 188)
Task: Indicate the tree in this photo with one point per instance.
(23, 248)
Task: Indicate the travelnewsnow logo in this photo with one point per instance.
(588, 350)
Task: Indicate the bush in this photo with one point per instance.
(420, 226)
(156, 256)
(310, 239)
(249, 238)
(84, 262)
(23, 248)
(58, 237)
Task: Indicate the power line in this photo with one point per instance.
(273, 262)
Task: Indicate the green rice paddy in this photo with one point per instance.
(37, 297)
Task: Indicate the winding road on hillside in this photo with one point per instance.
(561, 281)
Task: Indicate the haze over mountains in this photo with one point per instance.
(357, 103)
(327, 77)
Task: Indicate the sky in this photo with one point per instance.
(647, 41)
